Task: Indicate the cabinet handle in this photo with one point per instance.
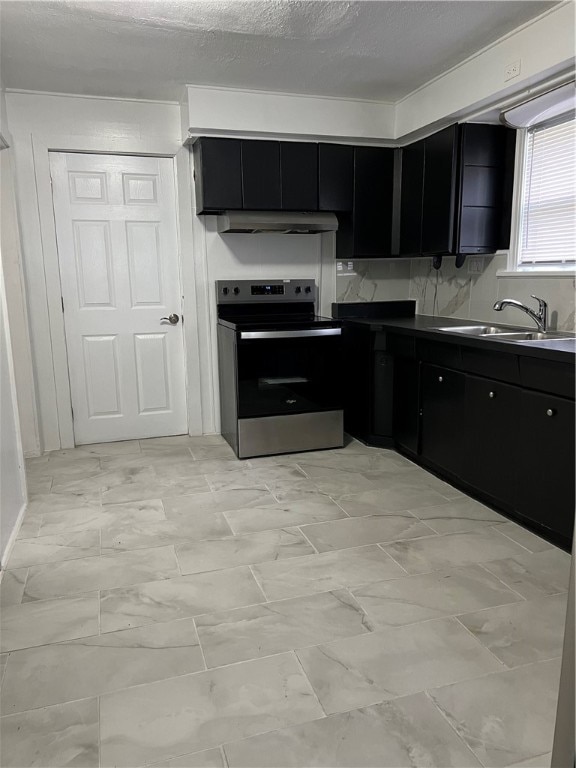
(550, 412)
(440, 379)
(492, 395)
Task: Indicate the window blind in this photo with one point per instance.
(548, 218)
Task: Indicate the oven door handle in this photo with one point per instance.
(290, 334)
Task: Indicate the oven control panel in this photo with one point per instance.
(249, 291)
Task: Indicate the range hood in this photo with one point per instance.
(281, 222)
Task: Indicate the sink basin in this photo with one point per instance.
(504, 334)
(533, 336)
(476, 330)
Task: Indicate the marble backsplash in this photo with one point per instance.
(451, 292)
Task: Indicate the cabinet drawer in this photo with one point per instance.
(547, 376)
(491, 364)
(438, 353)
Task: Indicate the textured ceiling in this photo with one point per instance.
(366, 50)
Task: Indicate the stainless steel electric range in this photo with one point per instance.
(279, 368)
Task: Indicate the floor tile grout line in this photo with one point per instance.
(451, 726)
(483, 566)
(260, 587)
(269, 656)
(479, 642)
(531, 551)
(314, 547)
(301, 667)
(206, 667)
(382, 547)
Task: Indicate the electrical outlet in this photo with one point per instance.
(512, 70)
(475, 265)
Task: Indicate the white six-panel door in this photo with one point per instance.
(119, 270)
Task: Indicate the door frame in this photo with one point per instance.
(41, 149)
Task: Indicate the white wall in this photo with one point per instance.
(544, 47)
(12, 479)
(451, 292)
(15, 293)
(40, 122)
(226, 110)
(12, 483)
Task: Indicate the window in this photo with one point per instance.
(547, 214)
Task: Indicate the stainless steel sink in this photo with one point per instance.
(534, 336)
(476, 330)
(504, 334)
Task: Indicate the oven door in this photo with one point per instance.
(289, 371)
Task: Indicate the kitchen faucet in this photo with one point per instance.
(540, 317)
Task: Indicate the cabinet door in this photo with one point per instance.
(373, 193)
(217, 174)
(483, 202)
(545, 478)
(442, 426)
(406, 403)
(299, 176)
(440, 165)
(261, 175)
(492, 414)
(335, 177)
(411, 199)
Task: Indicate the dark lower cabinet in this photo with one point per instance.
(406, 417)
(545, 460)
(491, 452)
(443, 417)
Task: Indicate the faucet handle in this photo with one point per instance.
(541, 303)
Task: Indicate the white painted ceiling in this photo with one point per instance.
(368, 50)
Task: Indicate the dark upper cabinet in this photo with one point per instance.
(299, 176)
(411, 199)
(443, 413)
(217, 175)
(439, 191)
(492, 411)
(545, 462)
(261, 187)
(485, 188)
(366, 232)
(335, 177)
(456, 191)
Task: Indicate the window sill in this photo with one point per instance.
(536, 273)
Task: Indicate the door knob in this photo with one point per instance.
(172, 319)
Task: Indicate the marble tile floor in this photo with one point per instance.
(168, 605)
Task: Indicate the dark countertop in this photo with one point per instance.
(562, 350)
